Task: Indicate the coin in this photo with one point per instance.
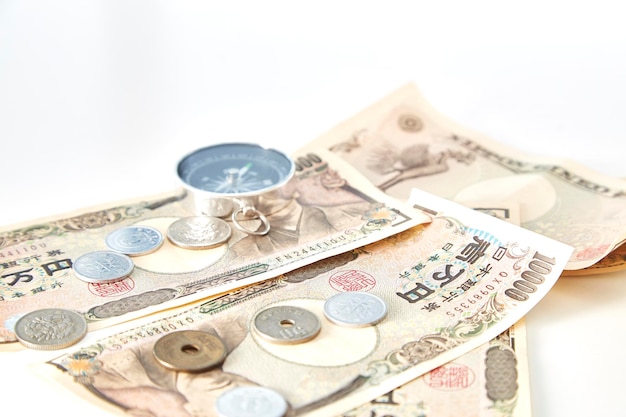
(50, 329)
(189, 351)
(102, 266)
(355, 309)
(251, 401)
(134, 240)
(287, 324)
(198, 232)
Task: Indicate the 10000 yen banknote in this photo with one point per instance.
(489, 381)
(326, 209)
(449, 286)
(401, 143)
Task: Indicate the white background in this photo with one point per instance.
(99, 100)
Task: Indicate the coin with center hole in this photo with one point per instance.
(103, 266)
(134, 240)
(251, 401)
(287, 324)
(189, 351)
(355, 309)
(198, 232)
(50, 329)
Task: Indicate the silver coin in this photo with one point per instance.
(198, 232)
(103, 266)
(355, 309)
(251, 401)
(50, 329)
(189, 351)
(134, 240)
(287, 324)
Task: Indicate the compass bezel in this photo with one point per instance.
(285, 167)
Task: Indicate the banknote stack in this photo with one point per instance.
(401, 259)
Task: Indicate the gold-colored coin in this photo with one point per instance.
(189, 351)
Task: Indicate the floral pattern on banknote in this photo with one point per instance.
(83, 365)
(432, 345)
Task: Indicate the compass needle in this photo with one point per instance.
(221, 186)
(244, 170)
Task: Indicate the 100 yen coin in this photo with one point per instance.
(198, 232)
(50, 329)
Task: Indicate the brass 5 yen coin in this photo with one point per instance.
(50, 329)
(189, 351)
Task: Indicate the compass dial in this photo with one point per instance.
(235, 169)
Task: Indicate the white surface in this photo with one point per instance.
(99, 100)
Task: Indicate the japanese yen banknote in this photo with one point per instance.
(450, 286)
(327, 208)
(401, 143)
(489, 381)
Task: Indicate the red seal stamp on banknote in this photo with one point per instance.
(450, 377)
(112, 289)
(352, 280)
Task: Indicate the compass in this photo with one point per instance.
(228, 178)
